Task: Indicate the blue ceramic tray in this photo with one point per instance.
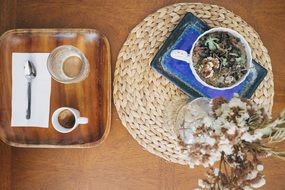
(179, 72)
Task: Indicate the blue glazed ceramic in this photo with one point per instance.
(179, 72)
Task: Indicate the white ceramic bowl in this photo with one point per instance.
(247, 50)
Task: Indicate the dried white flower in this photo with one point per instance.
(225, 146)
(259, 183)
(216, 171)
(237, 102)
(201, 183)
(250, 138)
(252, 175)
(260, 167)
(186, 135)
(247, 188)
(231, 129)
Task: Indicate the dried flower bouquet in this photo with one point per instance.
(236, 134)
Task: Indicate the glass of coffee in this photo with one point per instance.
(67, 64)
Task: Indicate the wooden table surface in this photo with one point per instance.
(120, 163)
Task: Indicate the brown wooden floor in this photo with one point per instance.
(120, 163)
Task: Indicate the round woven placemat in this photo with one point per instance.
(141, 95)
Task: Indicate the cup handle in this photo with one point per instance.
(180, 55)
(82, 120)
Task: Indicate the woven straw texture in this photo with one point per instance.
(141, 95)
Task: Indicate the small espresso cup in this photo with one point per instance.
(72, 114)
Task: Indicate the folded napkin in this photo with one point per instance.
(40, 91)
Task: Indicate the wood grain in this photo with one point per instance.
(91, 97)
(7, 21)
(120, 163)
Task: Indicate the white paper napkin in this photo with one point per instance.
(40, 91)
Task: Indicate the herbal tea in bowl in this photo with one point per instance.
(220, 58)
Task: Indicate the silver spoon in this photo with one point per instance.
(30, 73)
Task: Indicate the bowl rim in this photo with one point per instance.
(247, 49)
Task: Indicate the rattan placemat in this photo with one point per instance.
(141, 95)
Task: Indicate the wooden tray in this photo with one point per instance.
(92, 96)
